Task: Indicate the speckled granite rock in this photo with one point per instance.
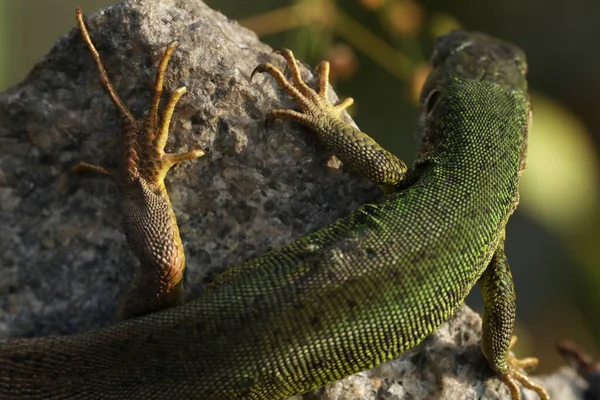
(63, 258)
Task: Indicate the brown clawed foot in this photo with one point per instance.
(313, 105)
(516, 374)
(144, 148)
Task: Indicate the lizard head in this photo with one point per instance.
(472, 70)
(476, 56)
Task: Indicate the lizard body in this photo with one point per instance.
(338, 301)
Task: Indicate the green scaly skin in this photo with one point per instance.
(349, 296)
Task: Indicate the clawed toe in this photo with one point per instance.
(83, 168)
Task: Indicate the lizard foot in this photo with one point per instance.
(144, 148)
(516, 374)
(355, 149)
(312, 103)
(147, 215)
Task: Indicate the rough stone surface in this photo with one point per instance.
(63, 258)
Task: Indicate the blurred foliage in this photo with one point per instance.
(3, 45)
(378, 50)
(560, 188)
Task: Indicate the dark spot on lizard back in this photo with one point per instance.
(315, 322)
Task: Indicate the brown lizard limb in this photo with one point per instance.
(366, 157)
(499, 296)
(147, 215)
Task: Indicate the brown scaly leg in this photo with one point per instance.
(499, 297)
(354, 148)
(146, 211)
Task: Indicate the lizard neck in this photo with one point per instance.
(475, 136)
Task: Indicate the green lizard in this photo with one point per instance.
(340, 300)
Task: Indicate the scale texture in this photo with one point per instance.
(349, 296)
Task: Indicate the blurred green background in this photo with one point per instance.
(379, 51)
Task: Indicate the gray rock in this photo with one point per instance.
(64, 261)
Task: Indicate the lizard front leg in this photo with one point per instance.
(499, 296)
(147, 215)
(354, 148)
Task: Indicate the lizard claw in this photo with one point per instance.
(259, 69)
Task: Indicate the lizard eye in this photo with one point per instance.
(432, 99)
